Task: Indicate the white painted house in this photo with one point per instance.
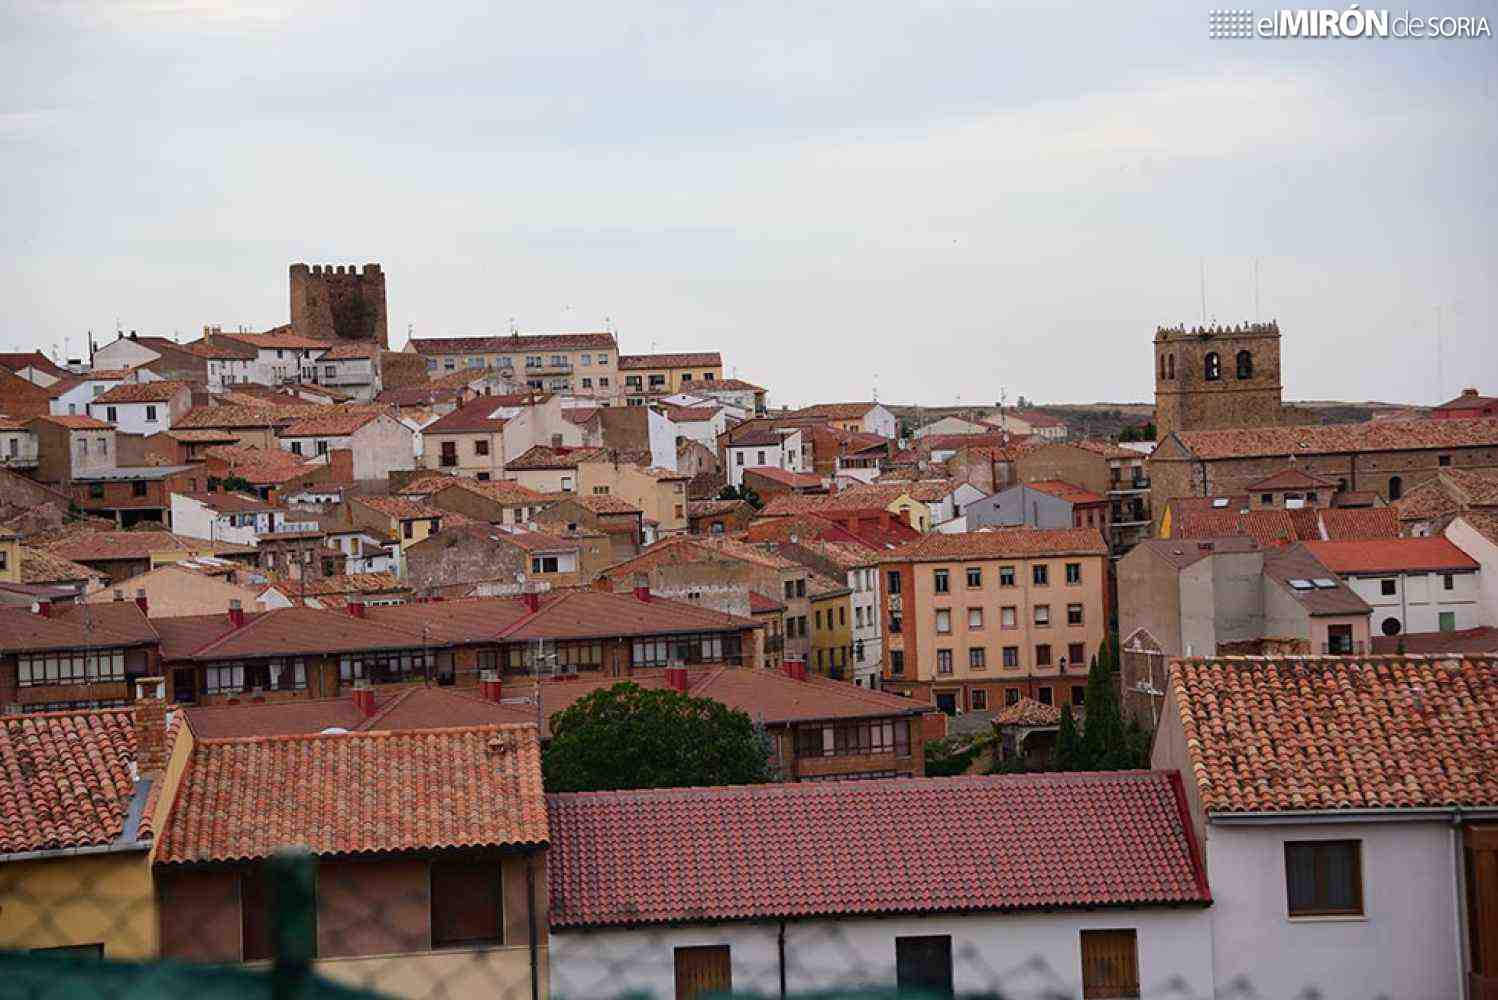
(143, 407)
(1347, 812)
(1022, 885)
(772, 448)
(1476, 534)
(1413, 584)
(234, 517)
(380, 443)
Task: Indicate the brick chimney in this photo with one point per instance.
(532, 599)
(356, 609)
(42, 608)
(642, 588)
(676, 679)
(141, 601)
(236, 612)
(795, 669)
(363, 697)
(150, 726)
(1469, 392)
(491, 688)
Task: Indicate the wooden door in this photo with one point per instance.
(703, 971)
(1110, 964)
(923, 965)
(1480, 848)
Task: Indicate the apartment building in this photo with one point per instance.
(583, 364)
(142, 407)
(766, 449)
(647, 377)
(858, 566)
(660, 494)
(379, 444)
(978, 620)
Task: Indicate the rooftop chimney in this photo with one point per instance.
(795, 669)
(236, 612)
(1469, 392)
(356, 609)
(491, 688)
(364, 700)
(119, 594)
(532, 598)
(150, 726)
(676, 678)
(43, 608)
(642, 588)
(141, 602)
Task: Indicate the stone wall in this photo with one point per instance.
(338, 303)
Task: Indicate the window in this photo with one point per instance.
(943, 621)
(819, 621)
(1042, 615)
(1446, 621)
(1006, 576)
(96, 491)
(138, 489)
(543, 564)
(801, 587)
(1008, 617)
(1443, 460)
(1390, 626)
(977, 658)
(896, 623)
(296, 447)
(854, 739)
(1387, 587)
(1396, 487)
(1448, 581)
(842, 616)
(1040, 574)
(1245, 364)
(979, 699)
(1073, 573)
(1212, 367)
(1011, 696)
(322, 447)
(1323, 878)
(150, 414)
(449, 454)
(897, 662)
(940, 581)
(1043, 655)
(944, 661)
(481, 446)
(705, 969)
(1110, 961)
(924, 965)
(1079, 695)
(975, 618)
(408, 529)
(974, 576)
(1074, 614)
(467, 903)
(603, 383)
(894, 581)
(1045, 695)
(71, 667)
(1171, 366)
(1011, 656)
(1076, 652)
(111, 415)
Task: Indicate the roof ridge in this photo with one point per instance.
(366, 734)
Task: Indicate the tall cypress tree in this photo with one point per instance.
(1069, 745)
(1103, 744)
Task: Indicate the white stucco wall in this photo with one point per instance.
(1024, 955)
(1419, 599)
(864, 582)
(1479, 547)
(1407, 946)
(123, 353)
(881, 421)
(662, 431)
(131, 418)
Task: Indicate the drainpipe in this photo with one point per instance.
(530, 920)
(780, 946)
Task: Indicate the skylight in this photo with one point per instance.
(1324, 583)
(1300, 584)
(1219, 501)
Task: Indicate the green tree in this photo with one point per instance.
(949, 756)
(1069, 752)
(1103, 744)
(628, 737)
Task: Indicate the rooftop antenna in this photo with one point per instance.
(514, 328)
(1257, 314)
(1440, 361)
(1204, 290)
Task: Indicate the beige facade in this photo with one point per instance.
(661, 495)
(173, 590)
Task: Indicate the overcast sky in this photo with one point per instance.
(940, 198)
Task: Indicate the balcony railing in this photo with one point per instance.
(1346, 647)
(549, 367)
(1137, 485)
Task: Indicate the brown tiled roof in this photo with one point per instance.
(66, 779)
(143, 392)
(714, 508)
(1451, 490)
(499, 490)
(515, 343)
(701, 359)
(239, 415)
(418, 395)
(1354, 522)
(601, 503)
(74, 626)
(1297, 562)
(351, 583)
(542, 457)
(260, 466)
(690, 414)
(348, 350)
(1340, 733)
(1028, 712)
(75, 422)
(301, 630)
(1319, 439)
(474, 416)
(854, 498)
(760, 604)
(329, 424)
(188, 434)
(1392, 555)
(401, 507)
(278, 337)
(1107, 449)
(1065, 491)
(587, 614)
(14, 361)
(1267, 527)
(1468, 400)
(93, 546)
(1484, 523)
(824, 848)
(358, 793)
(834, 411)
(955, 442)
(819, 586)
(1007, 543)
(1483, 639)
(41, 566)
(1290, 478)
(237, 503)
(794, 480)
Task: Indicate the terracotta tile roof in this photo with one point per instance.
(143, 392)
(418, 395)
(301, 630)
(1392, 555)
(870, 529)
(1482, 639)
(241, 415)
(352, 583)
(542, 457)
(1267, 527)
(65, 779)
(794, 480)
(690, 414)
(1006, 543)
(1290, 478)
(400, 709)
(75, 422)
(760, 604)
(96, 546)
(819, 586)
(238, 503)
(358, 793)
(261, 466)
(515, 343)
(579, 414)
(1323, 733)
(605, 503)
(1028, 712)
(1470, 399)
(348, 350)
(714, 508)
(955, 442)
(701, 359)
(846, 555)
(1319, 439)
(499, 490)
(834, 411)
(756, 437)
(9, 423)
(1065, 491)
(1107, 449)
(188, 434)
(14, 361)
(869, 847)
(1451, 490)
(41, 566)
(330, 424)
(854, 498)
(74, 626)
(279, 337)
(1484, 523)
(475, 416)
(402, 507)
(1359, 522)
(588, 614)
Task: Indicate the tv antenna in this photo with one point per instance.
(1204, 290)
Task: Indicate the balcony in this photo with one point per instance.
(1140, 484)
(549, 367)
(1124, 515)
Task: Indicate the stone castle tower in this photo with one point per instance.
(1217, 376)
(339, 304)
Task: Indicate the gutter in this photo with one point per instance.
(1415, 814)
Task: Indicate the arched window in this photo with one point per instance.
(1245, 364)
(1162, 367)
(1396, 487)
(1171, 359)
(1212, 366)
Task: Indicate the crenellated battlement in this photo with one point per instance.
(335, 270)
(1183, 332)
(339, 302)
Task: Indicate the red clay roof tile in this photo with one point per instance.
(66, 779)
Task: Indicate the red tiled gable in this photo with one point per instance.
(589, 614)
(955, 442)
(279, 337)
(143, 392)
(1470, 399)
(1392, 555)
(358, 793)
(98, 546)
(1007, 543)
(854, 498)
(730, 384)
(793, 480)
(15, 361)
(302, 631)
(65, 779)
(759, 604)
(1065, 491)
(473, 417)
(240, 415)
(515, 343)
(834, 411)
(701, 359)
(349, 351)
(690, 414)
(1319, 733)
(1370, 522)
(1107, 449)
(41, 566)
(869, 847)
(542, 457)
(605, 503)
(74, 626)
(76, 422)
(1325, 439)
(200, 436)
(1290, 479)
(1028, 712)
(1482, 639)
(403, 508)
(498, 490)
(1267, 527)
